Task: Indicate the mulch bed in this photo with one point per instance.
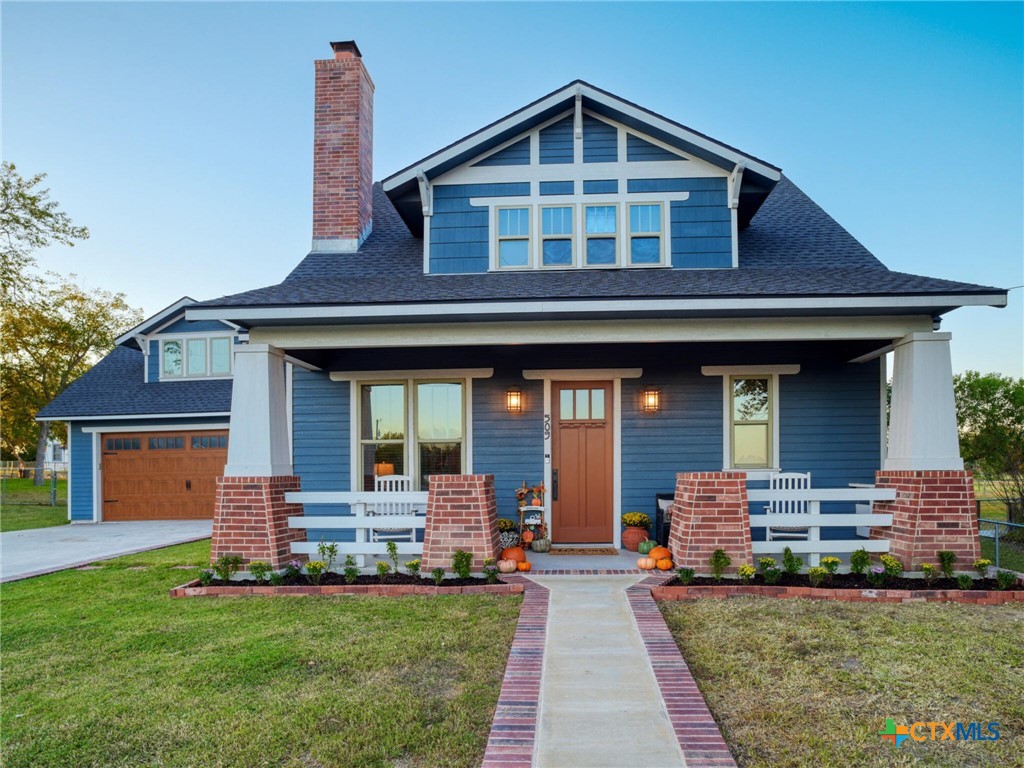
(333, 579)
(840, 581)
(335, 584)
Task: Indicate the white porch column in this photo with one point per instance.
(258, 445)
(922, 422)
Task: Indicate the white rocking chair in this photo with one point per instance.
(392, 484)
(788, 481)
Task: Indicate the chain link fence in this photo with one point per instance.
(1002, 543)
(18, 488)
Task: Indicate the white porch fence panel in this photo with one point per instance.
(814, 521)
(363, 519)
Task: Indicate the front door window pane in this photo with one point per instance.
(172, 358)
(582, 403)
(196, 357)
(597, 403)
(565, 404)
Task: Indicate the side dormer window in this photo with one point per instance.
(514, 238)
(646, 245)
(602, 235)
(193, 357)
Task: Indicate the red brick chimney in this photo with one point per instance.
(342, 151)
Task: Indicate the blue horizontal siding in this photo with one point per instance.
(460, 232)
(556, 143)
(80, 486)
(557, 187)
(321, 452)
(508, 446)
(701, 225)
(638, 150)
(601, 187)
(514, 154)
(714, 185)
(600, 141)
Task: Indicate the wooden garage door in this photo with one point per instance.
(161, 475)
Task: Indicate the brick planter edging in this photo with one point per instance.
(975, 596)
(695, 728)
(514, 728)
(194, 589)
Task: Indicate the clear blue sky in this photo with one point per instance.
(181, 133)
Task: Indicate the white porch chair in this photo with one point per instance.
(392, 484)
(788, 481)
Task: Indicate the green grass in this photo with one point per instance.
(1011, 553)
(102, 668)
(810, 683)
(28, 506)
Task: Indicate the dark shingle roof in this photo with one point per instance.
(791, 248)
(114, 387)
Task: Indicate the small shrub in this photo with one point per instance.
(817, 575)
(462, 563)
(1006, 579)
(766, 563)
(505, 525)
(413, 567)
(981, 567)
(227, 566)
(746, 573)
(965, 581)
(893, 566)
(393, 554)
(772, 575)
(315, 570)
(791, 564)
(929, 572)
(876, 576)
(276, 579)
(859, 561)
(206, 577)
(719, 561)
(259, 570)
(491, 570)
(947, 560)
(830, 564)
(351, 570)
(685, 576)
(292, 569)
(383, 569)
(328, 553)
(438, 574)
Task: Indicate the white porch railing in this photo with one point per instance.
(814, 521)
(363, 519)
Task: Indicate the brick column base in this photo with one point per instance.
(462, 513)
(710, 512)
(933, 510)
(250, 519)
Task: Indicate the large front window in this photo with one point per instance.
(751, 422)
(413, 428)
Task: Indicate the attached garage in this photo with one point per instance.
(161, 475)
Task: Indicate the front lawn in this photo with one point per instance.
(28, 506)
(802, 683)
(102, 668)
(20, 518)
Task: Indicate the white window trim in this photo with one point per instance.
(728, 372)
(498, 238)
(183, 339)
(663, 249)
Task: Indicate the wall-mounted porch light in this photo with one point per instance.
(650, 400)
(514, 400)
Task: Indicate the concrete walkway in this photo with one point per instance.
(599, 703)
(45, 550)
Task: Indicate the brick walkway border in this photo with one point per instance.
(695, 728)
(514, 729)
(585, 572)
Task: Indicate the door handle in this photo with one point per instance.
(188, 485)
(554, 485)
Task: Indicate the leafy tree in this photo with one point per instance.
(53, 334)
(29, 220)
(990, 414)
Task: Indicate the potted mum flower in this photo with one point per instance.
(637, 526)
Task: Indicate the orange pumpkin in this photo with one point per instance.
(646, 563)
(665, 564)
(524, 566)
(527, 536)
(514, 553)
(507, 566)
(659, 553)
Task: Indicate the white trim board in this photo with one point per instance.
(164, 313)
(413, 373)
(582, 374)
(117, 417)
(155, 428)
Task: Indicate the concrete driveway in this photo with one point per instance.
(45, 550)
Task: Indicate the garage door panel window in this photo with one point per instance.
(166, 443)
(195, 357)
(217, 441)
(123, 444)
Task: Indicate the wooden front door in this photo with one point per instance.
(161, 475)
(581, 469)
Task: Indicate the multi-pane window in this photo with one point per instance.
(556, 236)
(750, 416)
(209, 441)
(123, 444)
(433, 444)
(580, 404)
(602, 225)
(645, 242)
(194, 357)
(513, 237)
(166, 443)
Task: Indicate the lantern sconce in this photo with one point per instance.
(650, 400)
(514, 400)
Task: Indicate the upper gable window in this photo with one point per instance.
(513, 237)
(602, 228)
(556, 235)
(195, 357)
(646, 245)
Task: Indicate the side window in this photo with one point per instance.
(750, 422)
